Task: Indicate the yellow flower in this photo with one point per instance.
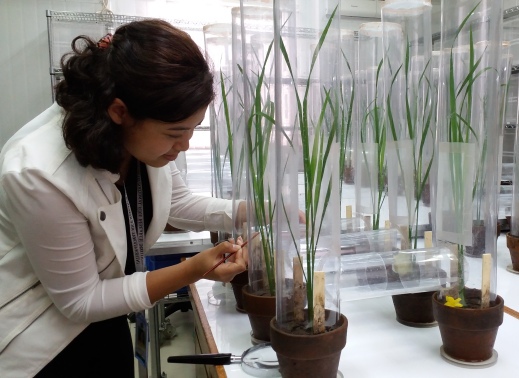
(451, 302)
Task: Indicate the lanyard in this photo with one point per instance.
(137, 230)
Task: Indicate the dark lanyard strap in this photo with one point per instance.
(137, 230)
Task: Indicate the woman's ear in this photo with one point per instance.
(118, 111)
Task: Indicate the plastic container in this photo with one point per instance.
(377, 274)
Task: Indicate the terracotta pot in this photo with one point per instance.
(237, 283)
(306, 355)
(260, 309)
(415, 310)
(469, 334)
(512, 242)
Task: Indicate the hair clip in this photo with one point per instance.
(105, 42)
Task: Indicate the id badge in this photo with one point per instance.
(141, 339)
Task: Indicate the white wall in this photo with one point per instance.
(24, 60)
(25, 86)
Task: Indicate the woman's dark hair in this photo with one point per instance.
(156, 69)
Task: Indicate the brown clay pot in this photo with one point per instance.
(468, 334)
(415, 310)
(237, 283)
(306, 355)
(512, 242)
(260, 309)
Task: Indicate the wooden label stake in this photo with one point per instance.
(319, 303)
(299, 291)
(367, 223)
(387, 240)
(485, 279)
(349, 215)
(349, 212)
(427, 240)
(404, 242)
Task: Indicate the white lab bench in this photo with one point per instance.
(377, 345)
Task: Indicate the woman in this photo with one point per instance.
(87, 187)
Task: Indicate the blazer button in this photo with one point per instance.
(102, 215)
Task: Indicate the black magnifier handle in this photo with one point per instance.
(205, 359)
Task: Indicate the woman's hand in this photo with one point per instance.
(226, 271)
(164, 281)
(244, 248)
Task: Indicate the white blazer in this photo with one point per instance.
(32, 328)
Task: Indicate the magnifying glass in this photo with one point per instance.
(259, 361)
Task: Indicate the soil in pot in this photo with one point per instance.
(349, 175)
(478, 240)
(426, 195)
(512, 242)
(261, 308)
(469, 333)
(302, 354)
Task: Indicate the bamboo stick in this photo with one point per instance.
(319, 303)
(299, 291)
(387, 241)
(404, 242)
(427, 240)
(427, 236)
(367, 223)
(485, 279)
(349, 215)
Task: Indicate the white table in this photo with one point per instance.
(377, 345)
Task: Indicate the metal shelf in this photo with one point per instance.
(91, 17)
(63, 27)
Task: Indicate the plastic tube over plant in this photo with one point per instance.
(257, 40)
(467, 136)
(377, 274)
(409, 114)
(308, 131)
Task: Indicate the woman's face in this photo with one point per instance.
(156, 143)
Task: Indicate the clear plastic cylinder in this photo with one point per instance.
(257, 67)
(382, 273)
(375, 274)
(240, 160)
(218, 49)
(370, 135)
(409, 116)
(514, 218)
(347, 119)
(504, 85)
(307, 140)
(467, 149)
(370, 241)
